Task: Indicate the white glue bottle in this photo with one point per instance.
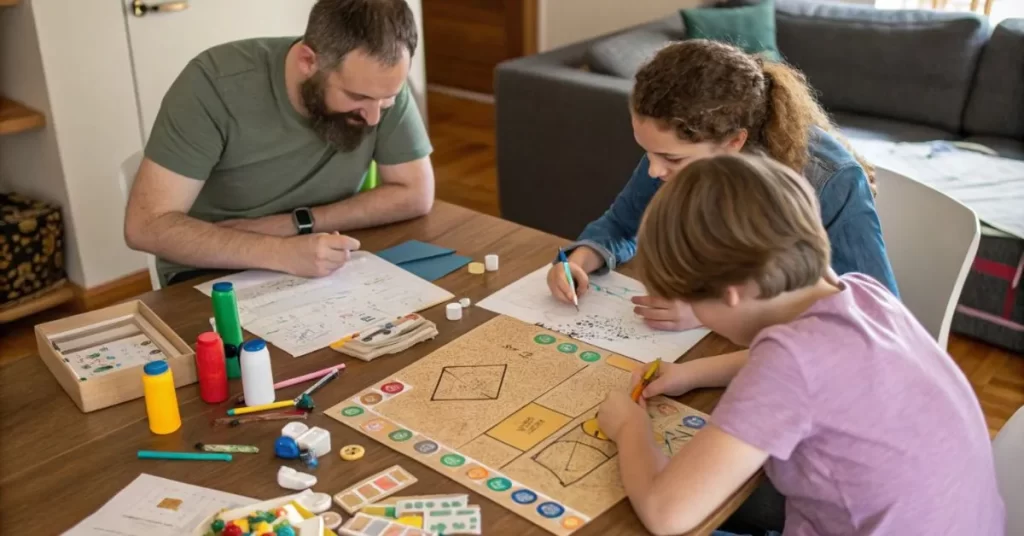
(257, 378)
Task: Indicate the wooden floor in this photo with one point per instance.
(464, 164)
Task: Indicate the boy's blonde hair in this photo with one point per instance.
(728, 219)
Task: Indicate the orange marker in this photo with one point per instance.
(646, 380)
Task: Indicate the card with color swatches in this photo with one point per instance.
(375, 488)
(366, 525)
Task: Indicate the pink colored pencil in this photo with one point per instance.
(299, 379)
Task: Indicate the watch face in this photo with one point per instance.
(303, 218)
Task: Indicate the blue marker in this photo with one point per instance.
(568, 276)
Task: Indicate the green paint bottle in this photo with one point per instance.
(229, 327)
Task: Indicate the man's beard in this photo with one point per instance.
(344, 130)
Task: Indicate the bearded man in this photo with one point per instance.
(261, 146)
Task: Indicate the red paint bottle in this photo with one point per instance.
(211, 368)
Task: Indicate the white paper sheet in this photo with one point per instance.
(301, 315)
(605, 319)
(992, 186)
(156, 506)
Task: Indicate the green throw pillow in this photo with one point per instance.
(751, 28)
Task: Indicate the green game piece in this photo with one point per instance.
(217, 525)
(352, 411)
(567, 348)
(590, 357)
(544, 338)
(452, 460)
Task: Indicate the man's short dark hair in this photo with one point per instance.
(382, 28)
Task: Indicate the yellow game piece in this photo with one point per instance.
(351, 453)
(243, 524)
(591, 428)
(263, 528)
(411, 521)
(476, 268)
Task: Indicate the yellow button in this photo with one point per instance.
(476, 268)
(352, 452)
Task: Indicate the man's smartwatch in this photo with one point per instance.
(303, 218)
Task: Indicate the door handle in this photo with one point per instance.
(140, 8)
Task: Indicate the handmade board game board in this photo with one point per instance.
(500, 410)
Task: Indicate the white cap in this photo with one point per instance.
(491, 263)
(453, 311)
(464, 302)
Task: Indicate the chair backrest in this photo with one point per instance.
(1008, 451)
(126, 177)
(931, 240)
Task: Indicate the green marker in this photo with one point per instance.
(229, 327)
(195, 456)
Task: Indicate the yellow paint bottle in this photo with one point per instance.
(161, 400)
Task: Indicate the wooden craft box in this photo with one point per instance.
(120, 385)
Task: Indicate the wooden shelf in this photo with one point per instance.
(61, 294)
(5, 3)
(16, 117)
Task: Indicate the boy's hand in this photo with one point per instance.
(559, 285)
(665, 315)
(617, 410)
(672, 380)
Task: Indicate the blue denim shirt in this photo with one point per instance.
(847, 211)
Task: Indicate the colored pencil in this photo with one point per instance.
(261, 407)
(568, 277)
(648, 377)
(192, 456)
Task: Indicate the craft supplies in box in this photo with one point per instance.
(98, 357)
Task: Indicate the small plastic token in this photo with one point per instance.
(425, 447)
(392, 388)
(550, 509)
(352, 411)
(476, 268)
(400, 435)
(572, 522)
(371, 398)
(567, 348)
(543, 338)
(351, 453)
(499, 484)
(694, 421)
(590, 357)
(524, 496)
(477, 473)
(332, 520)
(452, 460)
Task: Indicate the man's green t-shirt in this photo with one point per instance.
(226, 120)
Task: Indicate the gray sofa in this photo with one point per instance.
(565, 147)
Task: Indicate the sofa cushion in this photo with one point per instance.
(751, 28)
(996, 105)
(856, 126)
(622, 55)
(913, 65)
(1006, 147)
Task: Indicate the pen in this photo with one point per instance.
(206, 447)
(316, 386)
(649, 374)
(568, 276)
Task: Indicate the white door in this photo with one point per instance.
(163, 41)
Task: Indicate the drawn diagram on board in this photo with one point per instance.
(501, 409)
(606, 318)
(301, 315)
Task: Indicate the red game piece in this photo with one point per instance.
(232, 530)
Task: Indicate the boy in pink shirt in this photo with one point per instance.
(861, 421)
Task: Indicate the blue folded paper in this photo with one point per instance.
(425, 260)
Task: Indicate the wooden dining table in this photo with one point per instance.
(59, 465)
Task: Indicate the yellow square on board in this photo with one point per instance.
(623, 363)
(528, 426)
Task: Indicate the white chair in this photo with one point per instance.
(126, 176)
(931, 240)
(1008, 451)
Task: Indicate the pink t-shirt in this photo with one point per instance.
(871, 428)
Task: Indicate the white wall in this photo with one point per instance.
(562, 22)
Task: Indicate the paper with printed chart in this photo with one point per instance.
(992, 186)
(300, 315)
(605, 319)
(156, 507)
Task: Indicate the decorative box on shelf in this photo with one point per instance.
(31, 250)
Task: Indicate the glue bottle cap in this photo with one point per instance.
(208, 337)
(254, 345)
(154, 368)
(223, 286)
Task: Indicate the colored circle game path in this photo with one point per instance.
(527, 392)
